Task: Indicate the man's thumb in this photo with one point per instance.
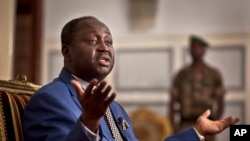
(206, 114)
(78, 88)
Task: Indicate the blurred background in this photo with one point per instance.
(151, 39)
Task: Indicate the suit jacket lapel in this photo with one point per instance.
(66, 77)
(105, 131)
(116, 116)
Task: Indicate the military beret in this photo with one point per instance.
(197, 39)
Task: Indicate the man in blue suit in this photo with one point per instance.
(73, 106)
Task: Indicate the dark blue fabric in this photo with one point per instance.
(186, 135)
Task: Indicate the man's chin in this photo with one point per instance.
(103, 72)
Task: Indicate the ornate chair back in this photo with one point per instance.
(14, 96)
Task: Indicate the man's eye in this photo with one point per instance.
(109, 43)
(93, 42)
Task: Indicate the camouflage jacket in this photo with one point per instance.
(196, 93)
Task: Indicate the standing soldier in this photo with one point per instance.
(196, 87)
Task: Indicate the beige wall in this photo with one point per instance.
(6, 37)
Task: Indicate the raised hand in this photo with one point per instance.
(206, 126)
(95, 101)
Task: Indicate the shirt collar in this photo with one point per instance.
(83, 83)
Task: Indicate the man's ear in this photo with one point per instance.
(66, 52)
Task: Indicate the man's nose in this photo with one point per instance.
(103, 47)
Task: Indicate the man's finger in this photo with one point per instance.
(78, 88)
(90, 87)
(231, 120)
(206, 114)
(110, 99)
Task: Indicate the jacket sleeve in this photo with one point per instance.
(187, 134)
(78, 133)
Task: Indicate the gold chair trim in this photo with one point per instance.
(20, 85)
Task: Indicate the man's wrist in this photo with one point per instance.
(93, 136)
(91, 124)
(201, 137)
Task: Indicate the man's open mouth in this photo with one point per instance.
(105, 61)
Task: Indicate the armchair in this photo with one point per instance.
(14, 95)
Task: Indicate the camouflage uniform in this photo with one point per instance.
(196, 93)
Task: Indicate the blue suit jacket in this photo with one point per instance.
(54, 110)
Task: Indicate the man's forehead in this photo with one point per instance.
(92, 25)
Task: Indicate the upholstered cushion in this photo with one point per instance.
(11, 111)
(14, 96)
